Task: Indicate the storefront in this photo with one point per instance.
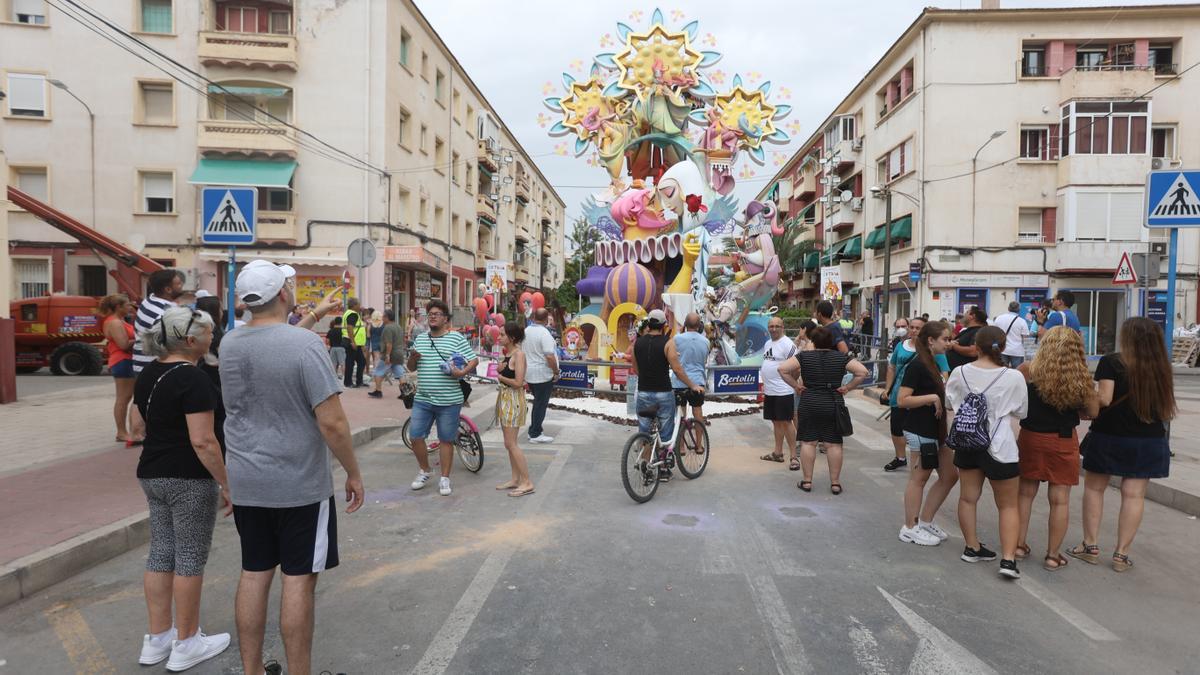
(413, 277)
(316, 276)
(956, 292)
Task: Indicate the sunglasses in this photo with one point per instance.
(186, 331)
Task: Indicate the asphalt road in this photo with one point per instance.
(43, 382)
(735, 572)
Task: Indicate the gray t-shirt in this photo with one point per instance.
(272, 377)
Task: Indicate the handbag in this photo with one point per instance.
(463, 385)
(845, 426)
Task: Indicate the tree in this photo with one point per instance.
(791, 249)
(583, 239)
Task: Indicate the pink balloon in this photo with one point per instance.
(481, 309)
(490, 300)
(493, 334)
(498, 319)
(539, 300)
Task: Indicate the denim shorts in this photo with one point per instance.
(914, 441)
(382, 368)
(424, 414)
(122, 369)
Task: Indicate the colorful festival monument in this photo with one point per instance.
(669, 140)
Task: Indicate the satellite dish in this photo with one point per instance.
(846, 196)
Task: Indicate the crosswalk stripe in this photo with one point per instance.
(937, 653)
(1061, 607)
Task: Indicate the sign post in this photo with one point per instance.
(361, 253)
(1125, 275)
(230, 217)
(1172, 201)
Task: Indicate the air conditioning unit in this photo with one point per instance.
(1157, 163)
(1159, 247)
(857, 143)
(856, 204)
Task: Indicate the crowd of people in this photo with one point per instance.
(244, 422)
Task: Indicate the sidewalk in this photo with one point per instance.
(69, 497)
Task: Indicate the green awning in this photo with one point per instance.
(484, 170)
(875, 238)
(812, 260)
(854, 291)
(853, 247)
(243, 173)
(269, 92)
(902, 228)
(832, 251)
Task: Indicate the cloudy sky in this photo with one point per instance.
(812, 51)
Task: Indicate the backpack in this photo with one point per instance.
(970, 428)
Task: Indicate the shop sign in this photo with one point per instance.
(736, 381)
(977, 280)
(576, 376)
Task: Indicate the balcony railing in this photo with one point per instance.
(249, 137)
(1166, 69)
(1034, 70)
(253, 50)
(485, 207)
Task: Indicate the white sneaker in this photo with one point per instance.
(196, 649)
(155, 650)
(933, 529)
(542, 439)
(444, 486)
(421, 479)
(915, 535)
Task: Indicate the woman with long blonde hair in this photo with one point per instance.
(1060, 393)
(1128, 437)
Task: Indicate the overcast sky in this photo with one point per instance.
(812, 51)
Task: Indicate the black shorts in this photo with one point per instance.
(982, 459)
(897, 421)
(299, 540)
(692, 398)
(779, 408)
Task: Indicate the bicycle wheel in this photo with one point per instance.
(470, 447)
(640, 482)
(404, 434)
(692, 464)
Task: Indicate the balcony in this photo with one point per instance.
(485, 208)
(805, 187)
(522, 189)
(277, 226)
(842, 219)
(1105, 82)
(247, 50)
(845, 151)
(1098, 257)
(229, 136)
(1103, 169)
(485, 150)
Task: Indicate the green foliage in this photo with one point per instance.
(790, 313)
(791, 249)
(583, 239)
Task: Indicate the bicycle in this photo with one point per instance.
(468, 444)
(641, 476)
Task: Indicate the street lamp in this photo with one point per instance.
(995, 134)
(92, 132)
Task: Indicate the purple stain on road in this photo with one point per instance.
(679, 521)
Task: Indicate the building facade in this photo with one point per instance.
(351, 120)
(1015, 144)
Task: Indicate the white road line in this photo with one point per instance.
(781, 564)
(866, 649)
(1061, 607)
(937, 653)
(445, 643)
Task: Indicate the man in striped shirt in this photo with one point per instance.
(162, 289)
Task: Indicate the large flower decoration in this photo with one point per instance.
(657, 56)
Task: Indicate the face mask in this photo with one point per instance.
(901, 332)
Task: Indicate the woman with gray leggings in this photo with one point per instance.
(180, 459)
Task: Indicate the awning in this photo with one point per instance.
(248, 255)
(269, 92)
(243, 172)
(902, 228)
(853, 247)
(833, 250)
(854, 291)
(812, 260)
(484, 170)
(875, 238)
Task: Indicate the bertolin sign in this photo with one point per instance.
(574, 376)
(736, 381)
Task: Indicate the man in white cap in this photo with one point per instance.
(654, 358)
(284, 416)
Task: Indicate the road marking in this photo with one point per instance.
(449, 637)
(866, 649)
(937, 653)
(747, 552)
(781, 564)
(1061, 607)
(77, 640)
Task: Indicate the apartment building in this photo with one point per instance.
(352, 120)
(1015, 144)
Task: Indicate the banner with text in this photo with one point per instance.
(736, 381)
(574, 376)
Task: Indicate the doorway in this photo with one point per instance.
(1101, 313)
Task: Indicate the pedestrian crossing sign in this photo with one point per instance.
(1172, 200)
(228, 215)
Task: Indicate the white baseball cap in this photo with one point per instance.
(657, 317)
(203, 294)
(260, 281)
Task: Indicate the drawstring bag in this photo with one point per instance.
(970, 431)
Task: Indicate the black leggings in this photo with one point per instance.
(354, 357)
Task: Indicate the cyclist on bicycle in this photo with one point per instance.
(692, 347)
(654, 357)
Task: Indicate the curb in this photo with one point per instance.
(1166, 495)
(25, 576)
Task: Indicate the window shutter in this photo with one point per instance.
(156, 103)
(1125, 216)
(1051, 151)
(26, 93)
(1049, 223)
(34, 183)
(158, 185)
(1091, 216)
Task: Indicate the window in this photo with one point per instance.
(439, 215)
(454, 167)
(1123, 55)
(455, 299)
(403, 128)
(423, 214)
(1162, 141)
(439, 155)
(281, 22)
(26, 95)
(455, 102)
(93, 280)
(470, 116)
(425, 66)
(469, 179)
(1040, 143)
(405, 45)
(158, 192)
(402, 204)
(897, 162)
(244, 103)
(32, 12)
(156, 16)
(274, 199)
(467, 285)
(424, 139)
(33, 181)
(1107, 216)
(1162, 59)
(439, 88)
(1091, 58)
(157, 104)
(1029, 225)
(1105, 128)
(32, 277)
(241, 19)
(1033, 62)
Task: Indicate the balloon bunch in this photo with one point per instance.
(531, 302)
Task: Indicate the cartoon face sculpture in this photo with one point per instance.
(681, 181)
(638, 212)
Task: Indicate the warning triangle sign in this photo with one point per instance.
(1125, 273)
(1179, 200)
(228, 218)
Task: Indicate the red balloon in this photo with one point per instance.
(498, 319)
(490, 300)
(493, 333)
(539, 300)
(481, 309)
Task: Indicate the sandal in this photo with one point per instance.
(772, 457)
(1054, 562)
(1088, 553)
(1121, 563)
(794, 465)
(520, 493)
(805, 485)
(1023, 551)
(835, 488)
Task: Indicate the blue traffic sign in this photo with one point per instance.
(228, 215)
(1172, 199)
